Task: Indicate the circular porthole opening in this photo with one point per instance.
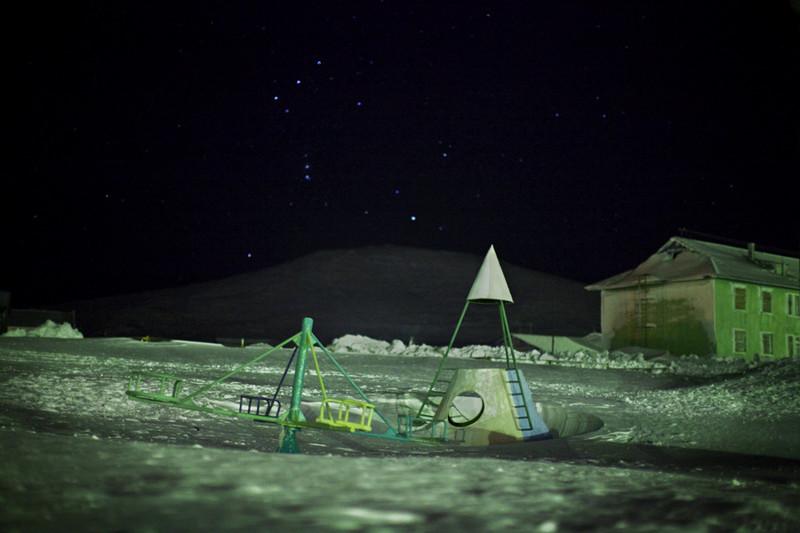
(465, 409)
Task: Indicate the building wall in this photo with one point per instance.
(752, 320)
(677, 316)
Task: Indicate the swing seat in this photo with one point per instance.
(346, 413)
(159, 387)
(255, 403)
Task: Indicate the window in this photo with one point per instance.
(793, 345)
(766, 301)
(739, 341)
(793, 304)
(740, 298)
(767, 344)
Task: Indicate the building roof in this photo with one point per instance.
(682, 259)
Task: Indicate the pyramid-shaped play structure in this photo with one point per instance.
(499, 401)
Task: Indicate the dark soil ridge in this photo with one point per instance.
(386, 292)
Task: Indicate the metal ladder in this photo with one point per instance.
(436, 391)
(518, 400)
(515, 380)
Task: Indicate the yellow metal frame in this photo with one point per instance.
(342, 407)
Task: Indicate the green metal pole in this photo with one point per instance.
(511, 360)
(304, 344)
(444, 357)
(287, 442)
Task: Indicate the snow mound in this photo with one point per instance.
(366, 345)
(766, 390)
(49, 330)
(360, 344)
(672, 364)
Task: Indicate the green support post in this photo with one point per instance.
(426, 401)
(288, 437)
(288, 440)
(303, 346)
(508, 345)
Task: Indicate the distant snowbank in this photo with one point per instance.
(685, 364)
(367, 345)
(49, 329)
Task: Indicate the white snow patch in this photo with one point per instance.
(49, 330)
(360, 344)
(548, 527)
(382, 516)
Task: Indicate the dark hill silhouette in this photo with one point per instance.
(386, 292)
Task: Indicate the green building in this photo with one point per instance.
(705, 298)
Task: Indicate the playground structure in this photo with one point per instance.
(343, 414)
(506, 410)
(471, 406)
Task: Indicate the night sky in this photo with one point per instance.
(161, 144)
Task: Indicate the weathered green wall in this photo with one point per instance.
(752, 320)
(679, 317)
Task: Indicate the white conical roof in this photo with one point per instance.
(490, 283)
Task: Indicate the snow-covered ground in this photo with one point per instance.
(681, 448)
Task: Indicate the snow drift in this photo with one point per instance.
(49, 330)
